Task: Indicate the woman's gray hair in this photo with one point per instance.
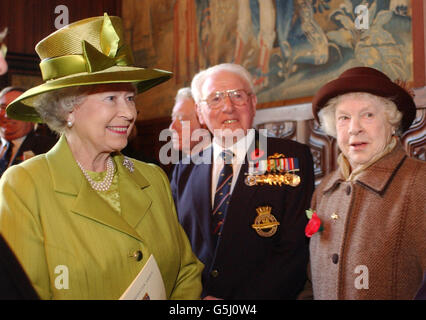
(55, 106)
(327, 115)
(199, 78)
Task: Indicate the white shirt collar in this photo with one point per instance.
(4, 142)
(239, 148)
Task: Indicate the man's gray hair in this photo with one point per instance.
(183, 93)
(10, 89)
(199, 78)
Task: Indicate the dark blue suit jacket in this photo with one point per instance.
(245, 265)
(38, 144)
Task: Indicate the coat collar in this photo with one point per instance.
(377, 177)
(68, 179)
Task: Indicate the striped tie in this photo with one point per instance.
(222, 195)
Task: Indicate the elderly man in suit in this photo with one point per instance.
(19, 142)
(250, 236)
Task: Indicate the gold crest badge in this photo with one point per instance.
(265, 224)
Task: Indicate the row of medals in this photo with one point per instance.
(265, 223)
(273, 177)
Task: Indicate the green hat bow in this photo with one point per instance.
(92, 60)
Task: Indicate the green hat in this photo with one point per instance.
(86, 52)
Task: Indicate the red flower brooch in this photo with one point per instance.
(314, 224)
(257, 154)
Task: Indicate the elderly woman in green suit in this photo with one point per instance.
(83, 219)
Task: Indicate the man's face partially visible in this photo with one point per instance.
(184, 115)
(11, 129)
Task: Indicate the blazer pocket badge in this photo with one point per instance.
(265, 224)
(276, 170)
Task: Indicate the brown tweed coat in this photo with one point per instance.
(375, 247)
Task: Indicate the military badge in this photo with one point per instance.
(275, 170)
(265, 224)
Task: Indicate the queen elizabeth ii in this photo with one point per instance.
(83, 219)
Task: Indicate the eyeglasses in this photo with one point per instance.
(238, 97)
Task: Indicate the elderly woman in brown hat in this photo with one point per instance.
(83, 219)
(369, 240)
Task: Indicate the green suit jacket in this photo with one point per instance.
(73, 245)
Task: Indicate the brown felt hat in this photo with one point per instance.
(365, 79)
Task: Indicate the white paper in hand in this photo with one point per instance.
(148, 285)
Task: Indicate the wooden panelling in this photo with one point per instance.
(29, 21)
(148, 141)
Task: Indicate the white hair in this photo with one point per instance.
(200, 78)
(55, 106)
(327, 115)
(183, 93)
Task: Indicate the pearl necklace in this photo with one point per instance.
(106, 183)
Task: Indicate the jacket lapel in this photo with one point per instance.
(240, 205)
(202, 197)
(381, 173)
(132, 188)
(333, 181)
(68, 179)
(377, 177)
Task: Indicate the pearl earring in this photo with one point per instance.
(69, 124)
